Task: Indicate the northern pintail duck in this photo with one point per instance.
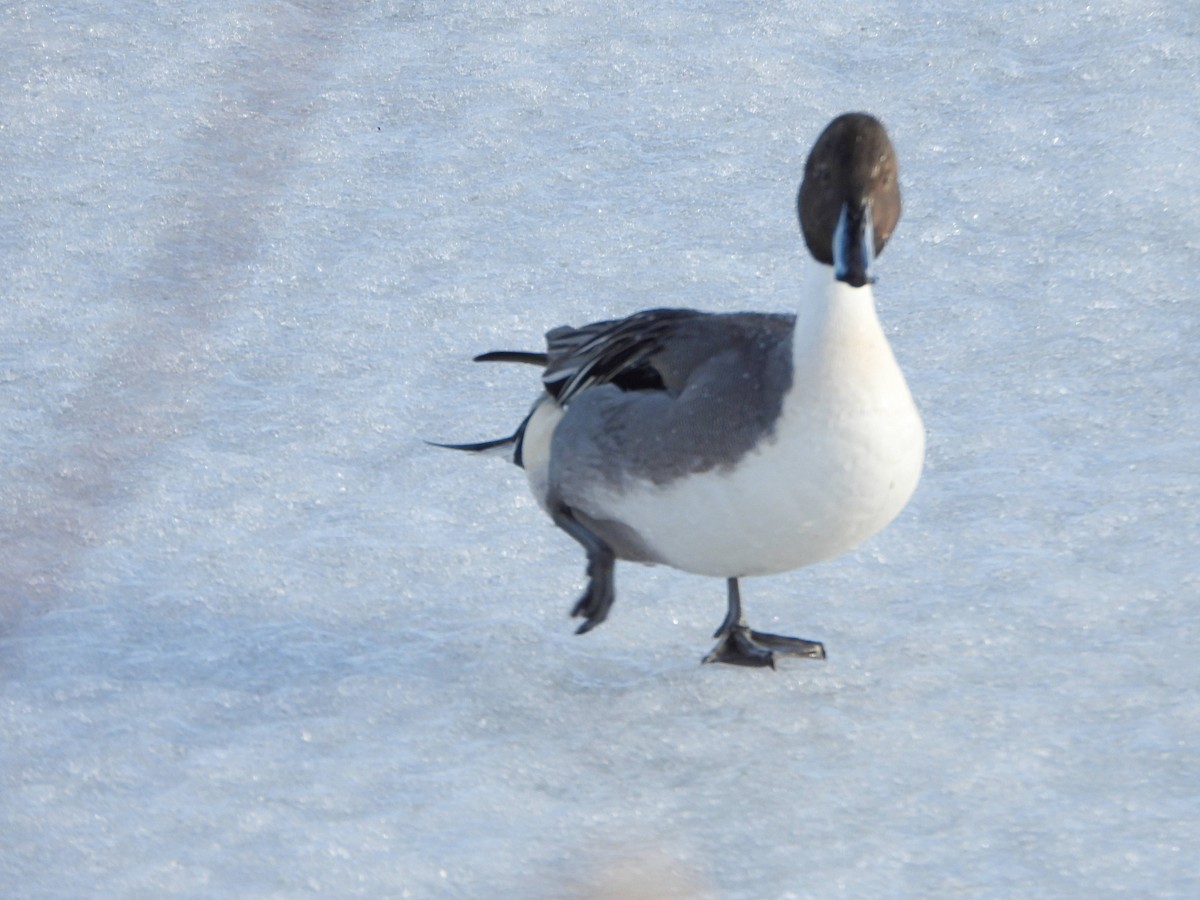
(735, 444)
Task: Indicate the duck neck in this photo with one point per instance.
(836, 326)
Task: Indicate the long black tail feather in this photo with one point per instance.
(517, 356)
(477, 446)
(516, 439)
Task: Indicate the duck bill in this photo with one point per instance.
(854, 245)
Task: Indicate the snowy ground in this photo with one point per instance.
(257, 639)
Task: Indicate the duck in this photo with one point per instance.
(735, 444)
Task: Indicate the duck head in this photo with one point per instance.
(849, 201)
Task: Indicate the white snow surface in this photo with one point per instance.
(258, 639)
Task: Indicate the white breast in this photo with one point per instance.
(844, 458)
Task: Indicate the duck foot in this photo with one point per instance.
(789, 646)
(738, 649)
(740, 645)
(597, 598)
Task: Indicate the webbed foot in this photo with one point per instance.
(737, 649)
(788, 646)
(598, 597)
(740, 645)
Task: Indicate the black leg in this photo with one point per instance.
(598, 597)
(733, 617)
(739, 645)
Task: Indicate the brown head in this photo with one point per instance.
(849, 201)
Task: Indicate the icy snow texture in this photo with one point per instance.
(258, 639)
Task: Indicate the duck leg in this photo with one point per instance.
(598, 597)
(740, 645)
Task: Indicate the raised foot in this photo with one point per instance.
(597, 599)
(742, 646)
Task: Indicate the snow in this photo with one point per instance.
(257, 638)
